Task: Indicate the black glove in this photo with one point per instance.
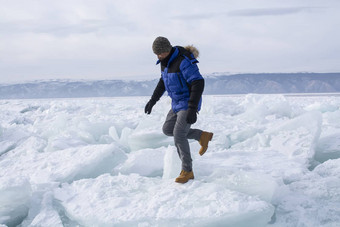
(191, 116)
(149, 106)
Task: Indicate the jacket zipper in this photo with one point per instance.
(180, 81)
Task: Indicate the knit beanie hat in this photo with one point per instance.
(161, 45)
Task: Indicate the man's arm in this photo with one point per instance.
(197, 87)
(159, 90)
(195, 80)
(157, 94)
(196, 91)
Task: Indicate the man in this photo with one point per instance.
(184, 84)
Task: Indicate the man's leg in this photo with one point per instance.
(202, 137)
(180, 132)
(177, 126)
(194, 134)
(169, 124)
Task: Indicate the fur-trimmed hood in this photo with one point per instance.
(192, 50)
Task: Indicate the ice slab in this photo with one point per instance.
(133, 199)
(145, 162)
(257, 107)
(65, 165)
(252, 183)
(43, 214)
(328, 147)
(313, 200)
(296, 138)
(148, 134)
(172, 163)
(15, 196)
(42, 209)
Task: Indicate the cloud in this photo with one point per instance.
(63, 29)
(198, 16)
(101, 38)
(62, 18)
(253, 12)
(269, 11)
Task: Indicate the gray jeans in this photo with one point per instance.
(176, 125)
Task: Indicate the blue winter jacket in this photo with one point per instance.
(178, 75)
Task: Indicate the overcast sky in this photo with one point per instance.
(102, 39)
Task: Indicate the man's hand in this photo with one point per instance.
(149, 106)
(191, 116)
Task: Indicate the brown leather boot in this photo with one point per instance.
(204, 140)
(184, 177)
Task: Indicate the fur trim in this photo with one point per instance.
(193, 50)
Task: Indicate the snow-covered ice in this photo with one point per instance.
(274, 161)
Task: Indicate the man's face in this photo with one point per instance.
(163, 55)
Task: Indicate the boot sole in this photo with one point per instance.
(184, 181)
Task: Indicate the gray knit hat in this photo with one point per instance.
(161, 45)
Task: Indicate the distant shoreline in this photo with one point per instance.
(291, 84)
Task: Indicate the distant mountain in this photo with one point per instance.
(264, 83)
(271, 83)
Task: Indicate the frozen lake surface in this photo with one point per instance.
(274, 161)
